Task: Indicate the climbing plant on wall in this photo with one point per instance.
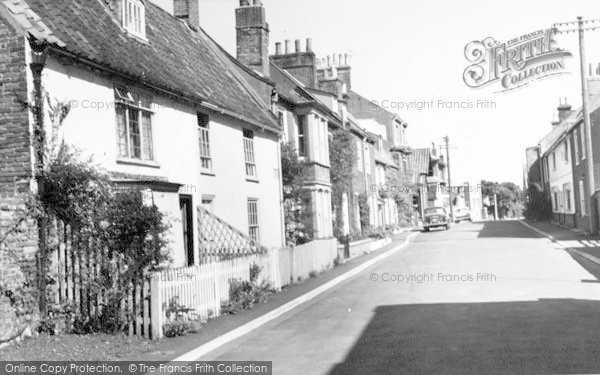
(297, 216)
(342, 157)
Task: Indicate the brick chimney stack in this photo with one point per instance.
(334, 74)
(564, 110)
(189, 11)
(302, 65)
(252, 36)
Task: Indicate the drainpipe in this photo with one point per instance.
(39, 54)
(280, 183)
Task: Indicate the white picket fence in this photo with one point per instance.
(203, 289)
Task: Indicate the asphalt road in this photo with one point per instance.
(478, 299)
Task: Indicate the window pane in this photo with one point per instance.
(134, 134)
(121, 132)
(253, 228)
(249, 154)
(205, 160)
(302, 135)
(148, 153)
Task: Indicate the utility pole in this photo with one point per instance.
(447, 140)
(588, 130)
(495, 206)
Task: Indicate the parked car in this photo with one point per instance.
(436, 217)
(462, 214)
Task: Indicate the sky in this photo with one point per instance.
(411, 51)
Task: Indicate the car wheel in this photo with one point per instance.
(426, 229)
(447, 227)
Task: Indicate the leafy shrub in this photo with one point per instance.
(343, 160)
(378, 233)
(179, 328)
(364, 211)
(179, 323)
(243, 295)
(295, 197)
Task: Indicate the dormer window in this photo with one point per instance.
(134, 17)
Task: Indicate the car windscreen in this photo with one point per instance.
(437, 210)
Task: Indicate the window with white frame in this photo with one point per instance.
(567, 197)
(208, 202)
(134, 17)
(253, 226)
(134, 125)
(282, 120)
(359, 150)
(380, 176)
(249, 153)
(204, 141)
(566, 150)
(302, 135)
(554, 161)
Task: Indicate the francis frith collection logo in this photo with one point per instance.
(515, 63)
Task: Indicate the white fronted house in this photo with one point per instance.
(159, 105)
(555, 149)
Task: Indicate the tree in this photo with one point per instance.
(342, 158)
(295, 196)
(509, 196)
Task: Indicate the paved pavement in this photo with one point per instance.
(481, 298)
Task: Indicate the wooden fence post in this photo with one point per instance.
(156, 312)
(217, 285)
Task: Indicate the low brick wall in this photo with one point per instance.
(359, 248)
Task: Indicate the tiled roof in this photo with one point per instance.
(295, 92)
(363, 108)
(419, 162)
(288, 88)
(551, 139)
(175, 58)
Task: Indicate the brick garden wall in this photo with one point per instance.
(15, 164)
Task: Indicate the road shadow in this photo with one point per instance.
(545, 336)
(506, 229)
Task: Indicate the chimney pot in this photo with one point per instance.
(298, 46)
(308, 45)
(287, 46)
(278, 48)
(328, 60)
(346, 59)
(340, 59)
